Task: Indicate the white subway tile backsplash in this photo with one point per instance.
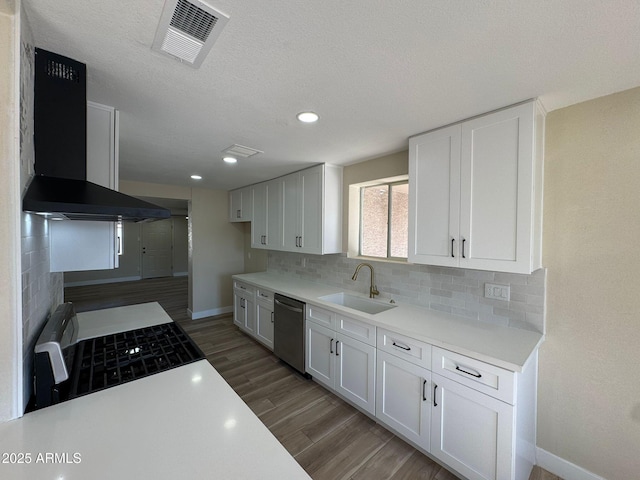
(452, 290)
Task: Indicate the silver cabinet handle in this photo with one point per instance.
(331, 346)
(424, 395)
(463, 240)
(452, 255)
(472, 373)
(300, 241)
(435, 387)
(337, 352)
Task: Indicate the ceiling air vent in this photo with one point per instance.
(240, 151)
(187, 30)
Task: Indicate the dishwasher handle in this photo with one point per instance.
(288, 307)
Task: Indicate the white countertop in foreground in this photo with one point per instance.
(184, 423)
(505, 347)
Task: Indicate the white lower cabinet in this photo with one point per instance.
(264, 317)
(244, 314)
(403, 398)
(472, 432)
(341, 363)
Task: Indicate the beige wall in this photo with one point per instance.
(217, 252)
(589, 384)
(10, 289)
(255, 260)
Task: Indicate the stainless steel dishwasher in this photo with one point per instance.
(288, 331)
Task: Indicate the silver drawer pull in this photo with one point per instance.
(401, 346)
(473, 374)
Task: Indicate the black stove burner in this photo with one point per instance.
(119, 358)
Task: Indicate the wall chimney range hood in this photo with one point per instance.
(60, 188)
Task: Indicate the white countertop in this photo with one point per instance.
(184, 423)
(98, 323)
(505, 347)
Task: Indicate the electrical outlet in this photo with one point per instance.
(497, 292)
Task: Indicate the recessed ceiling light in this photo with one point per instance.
(230, 159)
(196, 177)
(308, 117)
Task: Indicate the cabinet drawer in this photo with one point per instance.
(321, 316)
(412, 350)
(264, 296)
(483, 377)
(356, 329)
(243, 288)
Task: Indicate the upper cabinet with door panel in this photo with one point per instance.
(475, 192)
(312, 207)
(91, 245)
(266, 227)
(240, 205)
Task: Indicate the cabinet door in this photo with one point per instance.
(235, 205)
(239, 310)
(264, 324)
(403, 398)
(471, 432)
(496, 190)
(250, 315)
(291, 200)
(355, 372)
(434, 197)
(310, 210)
(273, 238)
(259, 222)
(320, 352)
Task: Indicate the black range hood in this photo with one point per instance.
(60, 188)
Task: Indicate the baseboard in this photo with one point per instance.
(102, 281)
(209, 313)
(563, 468)
(180, 274)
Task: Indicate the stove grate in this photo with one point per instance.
(119, 358)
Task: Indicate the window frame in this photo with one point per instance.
(389, 184)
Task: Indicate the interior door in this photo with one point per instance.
(157, 258)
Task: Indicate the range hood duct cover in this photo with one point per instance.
(60, 187)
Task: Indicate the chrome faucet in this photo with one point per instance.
(373, 290)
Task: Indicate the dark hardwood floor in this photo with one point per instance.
(329, 438)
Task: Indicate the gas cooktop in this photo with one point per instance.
(66, 368)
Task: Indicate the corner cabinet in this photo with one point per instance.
(240, 205)
(475, 192)
(91, 245)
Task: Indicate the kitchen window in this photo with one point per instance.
(384, 220)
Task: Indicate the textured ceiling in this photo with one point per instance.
(375, 71)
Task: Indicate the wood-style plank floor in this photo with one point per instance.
(329, 438)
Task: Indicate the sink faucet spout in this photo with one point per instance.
(373, 290)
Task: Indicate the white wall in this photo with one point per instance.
(589, 385)
(10, 325)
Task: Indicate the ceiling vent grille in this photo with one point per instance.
(241, 151)
(187, 30)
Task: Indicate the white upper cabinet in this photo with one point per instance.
(475, 192)
(300, 212)
(266, 226)
(91, 245)
(240, 205)
(307, 227)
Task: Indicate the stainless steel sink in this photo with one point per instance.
(364, 305)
